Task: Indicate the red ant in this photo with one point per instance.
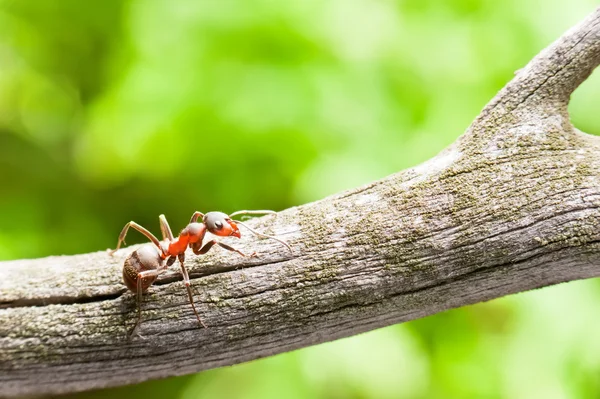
(143, 266)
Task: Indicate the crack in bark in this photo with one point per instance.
(60, 300)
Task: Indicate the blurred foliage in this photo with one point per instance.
(113, 111)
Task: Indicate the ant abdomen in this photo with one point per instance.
(145, 258)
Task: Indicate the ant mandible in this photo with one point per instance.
(143, 266)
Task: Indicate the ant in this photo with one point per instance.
(143, 266)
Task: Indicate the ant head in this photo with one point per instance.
(220, 224)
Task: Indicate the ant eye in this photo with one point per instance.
(219, 225)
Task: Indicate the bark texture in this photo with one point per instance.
(512, 205)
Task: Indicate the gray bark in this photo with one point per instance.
(512, 205)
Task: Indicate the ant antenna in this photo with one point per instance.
(262, 212)
(265, 235)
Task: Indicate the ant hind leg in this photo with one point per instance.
(139, 228)
(141, 276)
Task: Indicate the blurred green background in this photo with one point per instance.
(113, 111)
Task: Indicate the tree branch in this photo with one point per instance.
(511, 206)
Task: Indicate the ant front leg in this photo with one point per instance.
(139, 228)
(186, 281)
(204, 249)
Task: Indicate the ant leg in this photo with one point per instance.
(140, 277)
(139, 228)
(186, 281)
(165, 229)
(201, 251)
(196, 216)
(264, 235)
